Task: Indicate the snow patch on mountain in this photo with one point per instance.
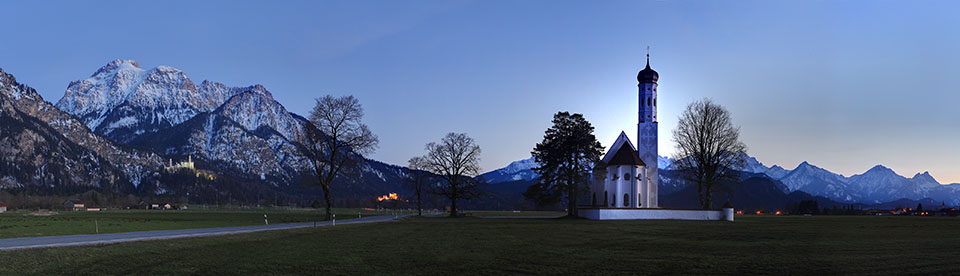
(155, 99)
(515, 171)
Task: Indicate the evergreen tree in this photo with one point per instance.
(565, 158)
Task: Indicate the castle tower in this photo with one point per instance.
(647, 131)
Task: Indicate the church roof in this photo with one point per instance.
(626, 156)
(621, 153)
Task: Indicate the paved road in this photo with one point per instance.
(74, 240)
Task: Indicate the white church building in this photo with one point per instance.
(624, 183)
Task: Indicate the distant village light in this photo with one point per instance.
(390, 196)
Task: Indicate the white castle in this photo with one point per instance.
(182, 165)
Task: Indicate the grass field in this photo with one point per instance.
(474, 246)
(27, 224)
(483, 213)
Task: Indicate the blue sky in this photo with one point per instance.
(844, 85)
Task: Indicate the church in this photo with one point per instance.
(624, 183)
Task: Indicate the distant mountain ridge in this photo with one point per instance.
(877, 185)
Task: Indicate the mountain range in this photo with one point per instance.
(118, 129)
(877, 185)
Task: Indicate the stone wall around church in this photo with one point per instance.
(674, 214)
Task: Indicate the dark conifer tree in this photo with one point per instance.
(565, 158)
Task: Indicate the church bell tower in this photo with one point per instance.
(647, 131)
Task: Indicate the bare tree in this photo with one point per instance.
(418, 178)
(336, 138)
(708, 147)
(456, 160)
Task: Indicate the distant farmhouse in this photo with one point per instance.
(624, 182)
(73, 205)
(160, 206)
(3, 208)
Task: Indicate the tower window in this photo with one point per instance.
(626, 200)
(648, 101)
(654, 101)
(638, 200)
(626, 177)
(641, 101)
(614, 199)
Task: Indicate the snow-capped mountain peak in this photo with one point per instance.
(880, 169)
(117, 64)
(516, 170)
(925, 179)
(664, 162)
(517, 166)
(122, 101)
(253, 107)
(751, 164)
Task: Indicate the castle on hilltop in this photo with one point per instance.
(188, 165)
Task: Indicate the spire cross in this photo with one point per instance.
(648, 56)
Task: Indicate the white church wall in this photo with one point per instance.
(675, 214)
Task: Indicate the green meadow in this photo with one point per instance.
(766, 245)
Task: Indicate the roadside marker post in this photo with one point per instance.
(265, 222)
(334, 219)
(96, 225)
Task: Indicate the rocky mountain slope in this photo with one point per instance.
(44, 148)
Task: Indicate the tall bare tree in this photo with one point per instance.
(336, 138)
(418, 178)
(456, 160)
(708, 147)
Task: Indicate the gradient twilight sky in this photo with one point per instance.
(844, 85)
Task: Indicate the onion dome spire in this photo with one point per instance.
(647, 75)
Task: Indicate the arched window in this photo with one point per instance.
(605, 198)
(626, 200)
(614, 199)
(638, 200)
(626, 177)
(654, 101)
(641, 101)
(648, 101)
(594, 203)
